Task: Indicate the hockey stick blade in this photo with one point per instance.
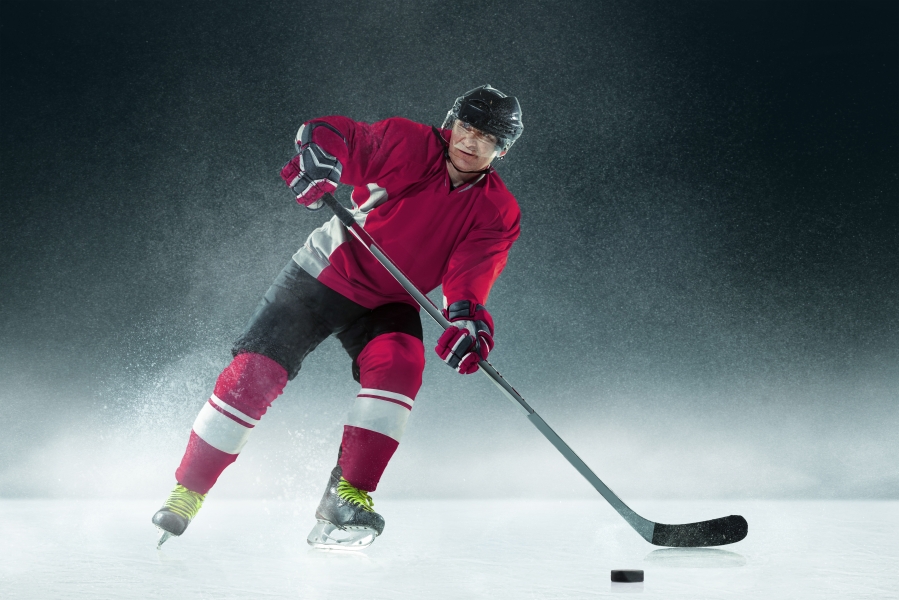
(716, 532)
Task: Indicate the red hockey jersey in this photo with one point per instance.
(402, 196)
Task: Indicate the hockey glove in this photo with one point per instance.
(311, 174)
(469, 339)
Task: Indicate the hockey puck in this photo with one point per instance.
(627, 575)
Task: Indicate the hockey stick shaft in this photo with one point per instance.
(716, 532)
(643, 526)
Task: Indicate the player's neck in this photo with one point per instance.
(457, 177)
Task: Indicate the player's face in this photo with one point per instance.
(472, 149)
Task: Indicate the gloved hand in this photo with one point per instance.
(469, 339)
(311, 174)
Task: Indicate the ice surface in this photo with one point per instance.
(447, 549)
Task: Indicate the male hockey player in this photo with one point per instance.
(434, 203)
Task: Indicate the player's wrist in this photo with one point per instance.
(469, 310)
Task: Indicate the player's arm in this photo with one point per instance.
(473, 269)
(330, 150)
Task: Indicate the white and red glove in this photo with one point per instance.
(311, 174)
(469, 339)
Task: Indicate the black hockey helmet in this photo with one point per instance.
(491, 111)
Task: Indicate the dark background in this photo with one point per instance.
(704, 300)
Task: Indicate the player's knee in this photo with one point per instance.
(395, 352)
(393, 362)
(251, 383)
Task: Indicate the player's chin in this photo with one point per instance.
(472, 164)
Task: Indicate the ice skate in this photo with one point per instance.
(346, 517)
(177, 512)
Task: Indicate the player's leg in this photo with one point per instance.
(388, 363)
(295, 315)
(390, 371)
(243, 392)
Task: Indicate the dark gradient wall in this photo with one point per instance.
(704, 300)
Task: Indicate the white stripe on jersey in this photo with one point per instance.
(383, 416)
(221, 432)
(313, 257)
(321, 243)
(376, 196)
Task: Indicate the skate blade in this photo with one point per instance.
(162, 539)
(326, 536)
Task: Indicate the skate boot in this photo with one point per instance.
(346, 517)
(177, 512)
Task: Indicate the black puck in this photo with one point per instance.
(627, 575)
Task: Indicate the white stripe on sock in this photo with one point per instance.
(386, 394)
(219, 431)
(382, 416)
(231, 410)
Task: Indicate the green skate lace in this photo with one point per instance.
(350, 493)
(184, 502)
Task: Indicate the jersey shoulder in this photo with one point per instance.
(408, 149)
(402, 124)
(496, 192)
(399, 131)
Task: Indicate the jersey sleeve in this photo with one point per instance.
(362, 148)
(479, 259)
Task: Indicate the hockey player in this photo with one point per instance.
(433, 202)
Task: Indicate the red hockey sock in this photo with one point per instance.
(390, 373)
(243, 392)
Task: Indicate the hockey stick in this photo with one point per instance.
(717, 532)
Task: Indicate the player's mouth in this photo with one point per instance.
(459, 149)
